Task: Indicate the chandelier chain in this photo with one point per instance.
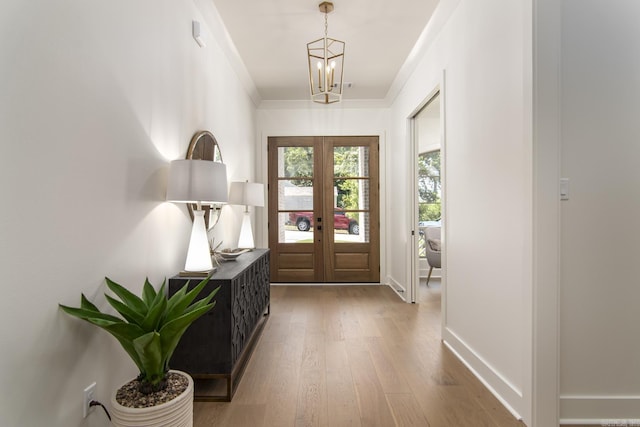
(326, 24)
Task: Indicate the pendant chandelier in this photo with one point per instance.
(326, 64)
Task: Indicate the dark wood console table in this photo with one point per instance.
(216, 347)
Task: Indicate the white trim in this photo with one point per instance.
(601, 397)
(435, 274)
(327, 284)
(221, 36)
(397, 288)
(440, 16)
(613, 422)
(498, 385)
(601, 410)
(345, 104)
(546, 134)
(413, 261)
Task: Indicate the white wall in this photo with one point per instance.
(484, 48)
(428, 127)
(97, 97)
(600, 348)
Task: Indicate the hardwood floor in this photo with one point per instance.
(354, 356)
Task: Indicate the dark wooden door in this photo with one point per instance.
(324, 209)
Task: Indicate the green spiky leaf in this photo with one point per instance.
(185, 300)
(149, 349)
(88, 314)
(125, 311)
(151, 326)
(148, 293)
(86, 304)
(152, 321)
(127, 297)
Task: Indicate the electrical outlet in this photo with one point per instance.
(87, 397)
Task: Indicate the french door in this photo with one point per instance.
(324, 209)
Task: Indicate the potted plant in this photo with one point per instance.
(149, 331)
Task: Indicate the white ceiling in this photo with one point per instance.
(271, 38)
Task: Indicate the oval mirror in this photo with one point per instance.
(203, 146)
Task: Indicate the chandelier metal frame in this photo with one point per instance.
(326, 64)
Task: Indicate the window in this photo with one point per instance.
(429, 194)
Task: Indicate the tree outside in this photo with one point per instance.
(298, 163)
(346, 165)
(429, 186)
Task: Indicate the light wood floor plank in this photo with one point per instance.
(311, 407)
(242, 415)
(354, 356)
(372, 403)
(390, 378)
(283, 390)
(342, 401)
(406, 410)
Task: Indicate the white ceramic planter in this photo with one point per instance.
(175, 413)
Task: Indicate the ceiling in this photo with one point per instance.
(271, 38)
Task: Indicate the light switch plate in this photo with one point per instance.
(564, 188)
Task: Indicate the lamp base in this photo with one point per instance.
(198, 273)
(245, 241)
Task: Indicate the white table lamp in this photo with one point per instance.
(202, 182)
(247, 194)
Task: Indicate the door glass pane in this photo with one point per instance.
(350, 227)
(351, 194)
(350, 162)
(295, 194)
(295, 162)
(294, 227)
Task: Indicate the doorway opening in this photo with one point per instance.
(427, 215)
(324, 208)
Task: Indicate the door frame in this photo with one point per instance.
(413, 260)
(262, 171)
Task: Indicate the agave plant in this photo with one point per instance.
(151, 326)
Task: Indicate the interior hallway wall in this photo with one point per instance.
(600, 348)
(485, 50)
(97, 98)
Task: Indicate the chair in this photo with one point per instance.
(433, 249)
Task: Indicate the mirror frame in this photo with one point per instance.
(204, 146)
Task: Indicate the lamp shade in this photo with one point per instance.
(246, 193)
(197, 181)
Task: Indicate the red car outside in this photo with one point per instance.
(304, 221)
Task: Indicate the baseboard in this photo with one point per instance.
(600, 410)
(509, 395)
(423, 271)
(397, 288)
(326, 284)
